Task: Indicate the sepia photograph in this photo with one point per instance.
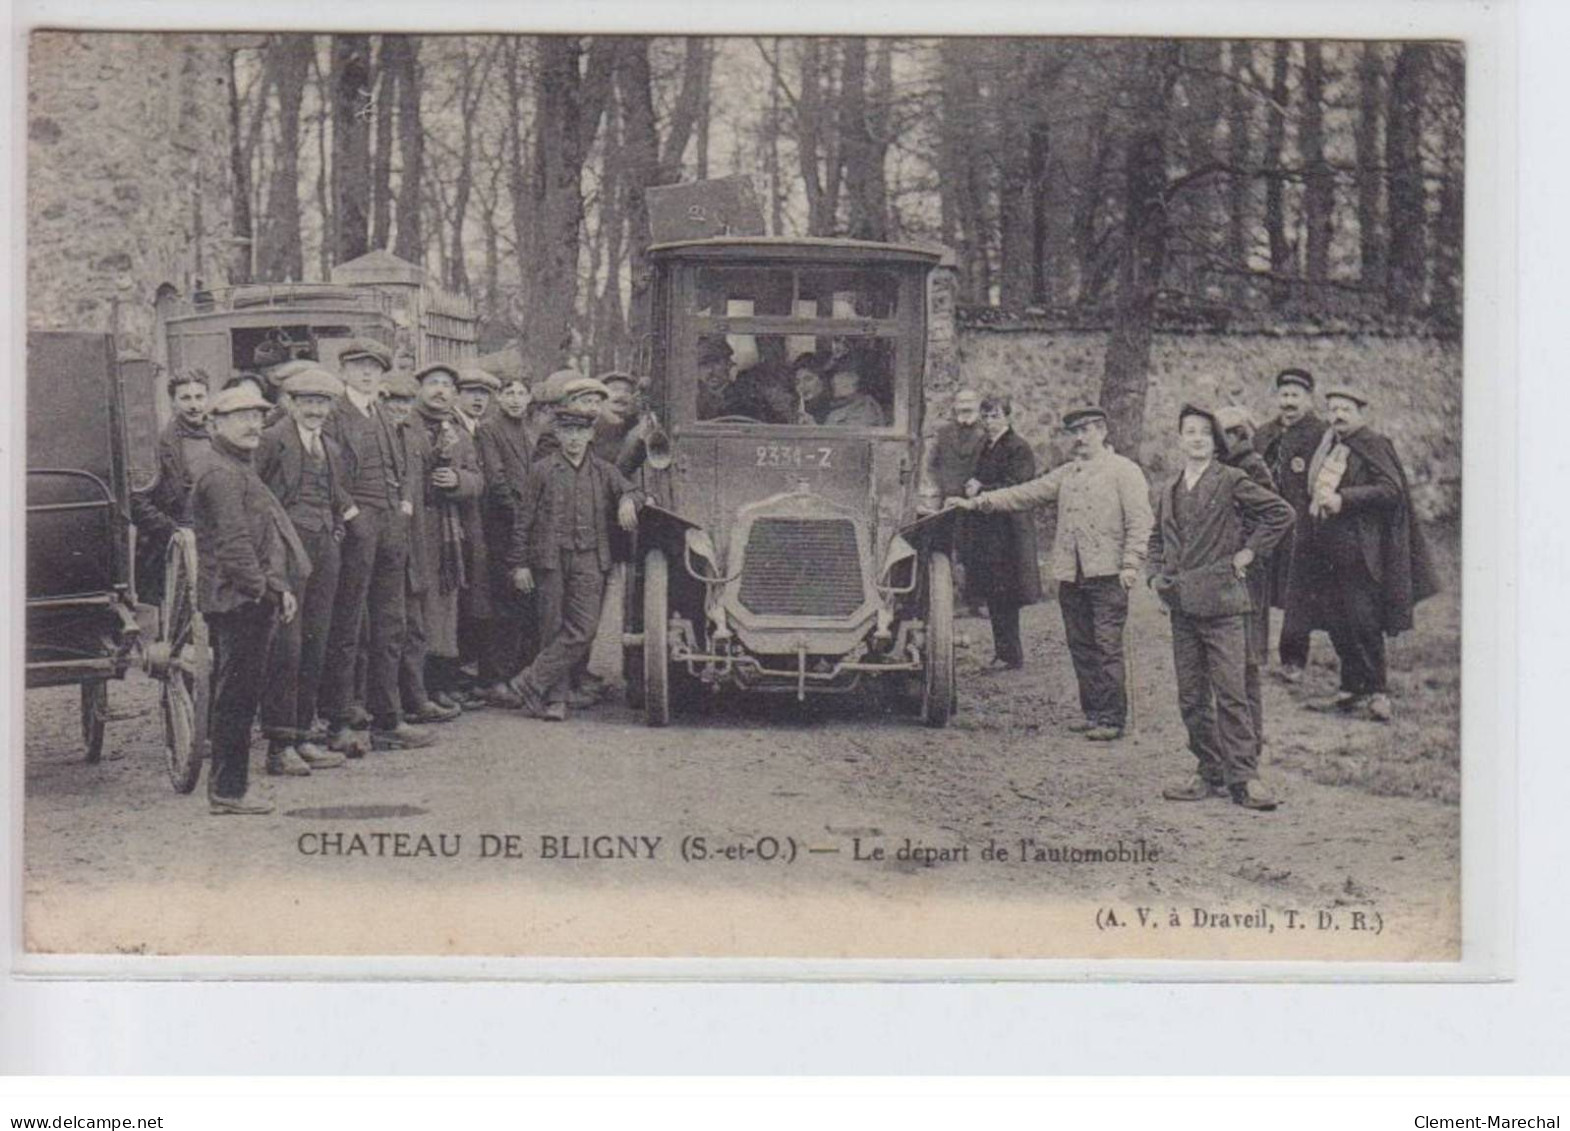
(618, 496)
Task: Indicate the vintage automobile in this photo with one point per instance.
(785, 548)
(83, 626)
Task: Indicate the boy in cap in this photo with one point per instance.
(1103, 532)
(303, 468)
(476, 390)
(375, 549)
(1286, 443)
(250, 566)
(1212, 523)
(165, 506)
(561, 545)
(1362, 563)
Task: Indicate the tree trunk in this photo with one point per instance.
(1319, 180)
(282, 256)
(862, 154)
(1275, 178)
(1404, 182)
(240, 174)
(1011, 90)
(641, 164)
(1042, 271)
(705, 77)
(1126, 377)
(1240, 183)
(324, 246)
(352, 114)
(1370, 180)
(809, 131)
(1449, 224)
(381, 159)
(568, 107)
(410, 237)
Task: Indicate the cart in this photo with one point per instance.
(82, 622)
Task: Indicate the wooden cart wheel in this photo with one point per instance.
(656, 649)
(939, 693)
(95, 713)
(183, 642)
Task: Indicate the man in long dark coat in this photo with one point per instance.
(165, 506)
(1287, 443)
(1363, 564)
(506, 451)
(1006, 574)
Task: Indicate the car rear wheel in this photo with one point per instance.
(939, 694)
(656, 650)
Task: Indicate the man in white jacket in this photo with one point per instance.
(1104, 524)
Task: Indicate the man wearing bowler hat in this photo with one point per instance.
(1104, 523)
(250, 567)
(375, 552)
(303, 468)
(1361, 564)
(1286, 443)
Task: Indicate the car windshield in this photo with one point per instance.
(795, 379)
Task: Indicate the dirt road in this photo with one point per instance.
(577, 838)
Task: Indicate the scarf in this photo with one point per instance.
(1325, 471)
(453, 557)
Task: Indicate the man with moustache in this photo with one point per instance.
(375, 550)
(954, 451)
(250, 566)
(1287, 443)
(506, 450)
(449, 478)
(303, 469)
(1103, 532)
(1362, 564)
(1212, 523)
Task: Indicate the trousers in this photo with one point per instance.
(1005, 631)
(1210, 657)
(511, 639)
(412, 690)
(371, 584)
(241, 638)
(294, 666)
(1095, 610)
(570, 599)
(1356, 627)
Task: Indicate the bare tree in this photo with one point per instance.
(1275, 175)
(282, 254)
(1318, 178)
(1369, 160)
(381, 158)
(1404, 181)
(403, 57)
(352, 113)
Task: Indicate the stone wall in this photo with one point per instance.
(128, 177)
(1413, 381)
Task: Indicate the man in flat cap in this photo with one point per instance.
(506, 449)
(561, 545)
(1286, 442)
(1362, 564)
(371, 580)
(1212, 523)
(303, 468)
(1103, 532)
(476, 390)
(715, 361)
(250, 567)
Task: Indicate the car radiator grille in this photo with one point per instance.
(802, 567)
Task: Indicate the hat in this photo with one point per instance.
(270, 352)
(401, 383)
(551, 387)
(1301, 377)
(1347, 392)
(1235, 416)
(278, 374)
(237, 399)
(578, 386)
(478, 378)
(312, 381)
(366, 347)
(1074, 417)
(436, 367)
(574, 417)
(1216, 433)
(623, 378)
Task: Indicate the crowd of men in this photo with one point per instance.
(380, 551)
(1308, 514)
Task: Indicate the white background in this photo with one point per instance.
(1517, 1026)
